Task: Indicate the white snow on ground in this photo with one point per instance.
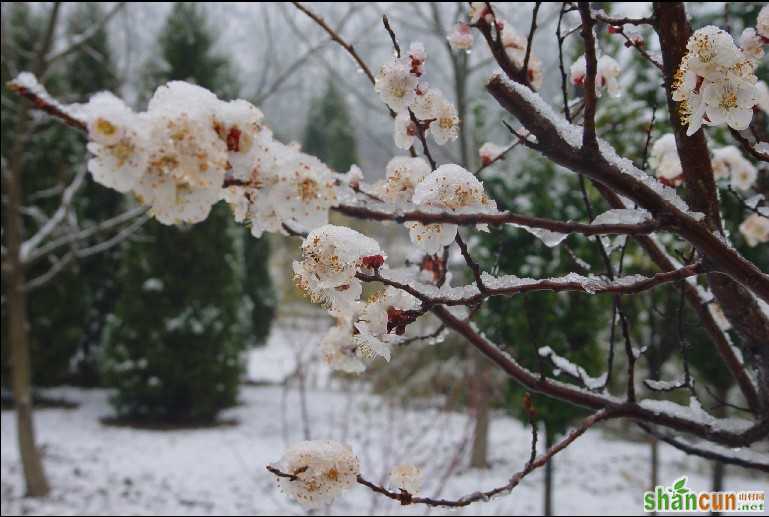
(97, 469)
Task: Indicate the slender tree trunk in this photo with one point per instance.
(34, 475)
(549, 471)
(480, 404)
(719, 469)
(654, 446)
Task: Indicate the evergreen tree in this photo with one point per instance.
(329, 133)
(175, 347)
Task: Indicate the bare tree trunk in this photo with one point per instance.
(719, 469)
(654, 446)
(480, 404)
(34, 475)
(548, 494)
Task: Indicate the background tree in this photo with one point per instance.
(329, 132)
(176, 342)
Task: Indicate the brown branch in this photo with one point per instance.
(338, 39)
(650, 20)
(405, 498)
(565, 284)
(472, 264)
(532, 30)
(390, 31)
(705, 453)
(43, 104)
(589, 140)
(500, 218)
(610, 174)
(594, 401)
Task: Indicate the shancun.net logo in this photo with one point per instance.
(680, 498)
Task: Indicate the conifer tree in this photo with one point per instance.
(175, 346)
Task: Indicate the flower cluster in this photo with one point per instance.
(607, 74)
(319, 470)
(452, 189)
(189, 150)
(418, 107)
(715, 83)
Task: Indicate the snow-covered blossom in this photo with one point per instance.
(762, 23)
(382, 321)
(755, 229)
(403, 173)
(404, 130)
(187, 159)
(396, 85)
(445, 127)
(331, 255)
(728, 162)
(715, 83)
(117, 143)
(665, 161)
(461, 37)
(417, 56)
(407, 478)
(607, 72)
(320, 470)
(490, 152)
(752, 44)
(450, 188)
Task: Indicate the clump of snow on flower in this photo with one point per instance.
(407, 478)
(177, 157)
(450, 188)
(715, 83)
(665, 161)
(728, 162)
(331, 256)
(607, 74)
(320, 470)
(755, 229)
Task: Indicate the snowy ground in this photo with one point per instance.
(96, 469)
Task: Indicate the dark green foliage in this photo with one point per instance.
(173, 350)
(175, 346)
(329, 133)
